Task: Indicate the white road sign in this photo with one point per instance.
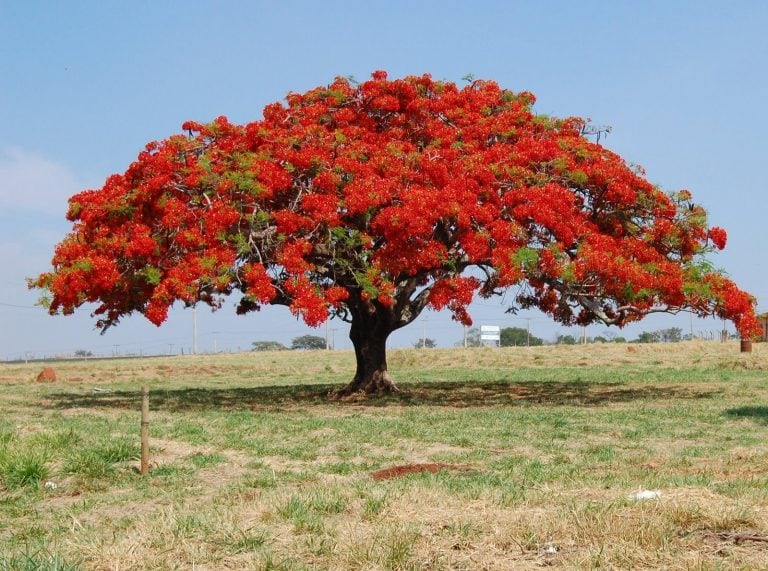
(490, 333)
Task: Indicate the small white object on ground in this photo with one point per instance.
(50, 485)
(645, 495)
(548, 549)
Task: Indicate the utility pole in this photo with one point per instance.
(327, 341)
(691, 316)
(194, 329)
(465, 336)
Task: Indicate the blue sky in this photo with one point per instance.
(84, 85)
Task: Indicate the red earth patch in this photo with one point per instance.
(400, 471)
(47, 375)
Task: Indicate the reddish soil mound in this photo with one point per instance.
(400, 471)
(47, 375)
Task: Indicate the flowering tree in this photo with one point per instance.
(370, 202)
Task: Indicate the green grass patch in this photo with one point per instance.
(36, 560)
(23, 468)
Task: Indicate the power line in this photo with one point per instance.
(37, 307)
(20, 306)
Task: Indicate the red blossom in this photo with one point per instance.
(259, 284)
(293, 257)
(718, 236)
(336, 296)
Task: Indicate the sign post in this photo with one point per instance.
(491, 333)
(144, 431)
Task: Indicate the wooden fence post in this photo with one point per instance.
(144, 430)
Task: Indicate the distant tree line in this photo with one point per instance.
(670, 335)
(426, 343)
(268, 346)
(303, 342)
(510, 337)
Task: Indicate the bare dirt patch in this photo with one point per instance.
(169, 451)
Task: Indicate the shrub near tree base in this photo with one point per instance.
(371, 202)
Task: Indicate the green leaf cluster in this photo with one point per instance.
(526, 258)
(151, 274)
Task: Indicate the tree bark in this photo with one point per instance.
(369, 333)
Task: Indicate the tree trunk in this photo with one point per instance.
(369, 335)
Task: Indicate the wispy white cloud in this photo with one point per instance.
(20, 263)
(30, 182)
(33, 200)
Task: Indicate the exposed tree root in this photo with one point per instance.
(377, 384)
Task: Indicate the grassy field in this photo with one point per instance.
(534, 454)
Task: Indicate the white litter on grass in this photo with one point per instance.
(548, 549)
(645, 495)
(48, 485)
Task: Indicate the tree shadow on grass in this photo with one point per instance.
(451, 394)
(758, 413)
